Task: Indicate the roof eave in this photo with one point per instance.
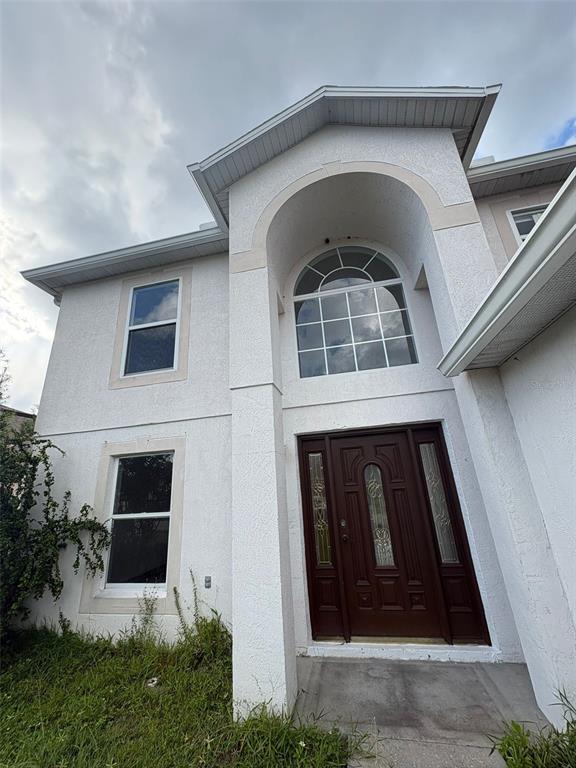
(40, 276)
(549, 246)
(522, 164)
(487, 93)
(491, 93)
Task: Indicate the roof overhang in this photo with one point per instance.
(537, 286)
(463, 110)
(550, 167)
(53, 278)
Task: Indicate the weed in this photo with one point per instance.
(547, 748)
(70, 700)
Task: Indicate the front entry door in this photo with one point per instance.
(386, 549)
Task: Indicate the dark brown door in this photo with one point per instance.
(386, 549)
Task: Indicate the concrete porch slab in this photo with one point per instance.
(418, 714)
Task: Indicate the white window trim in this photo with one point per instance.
(131, 586)
(157, 324)
(179, 371)
(527, 209)
(98, 596)
(319, 294)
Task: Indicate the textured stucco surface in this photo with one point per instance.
(205, 547)
(497, 226)
(430, 154)
(76, 393)
(539, 382)
(539, 603)
(241, 412)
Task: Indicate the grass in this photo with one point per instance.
(72, 701)
(547, 748)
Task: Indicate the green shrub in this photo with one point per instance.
(548, 748)
(34, 526)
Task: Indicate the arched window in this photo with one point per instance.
(351, 314)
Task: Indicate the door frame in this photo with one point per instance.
(456, 517)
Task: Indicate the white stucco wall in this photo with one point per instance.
(493, 211)
(350, 185)
(77, 395)
(81, 413)
(540, 386)
(241, 413)
(401, 395)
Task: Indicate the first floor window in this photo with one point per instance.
(526, 220)
(152, 328)
(141, 520)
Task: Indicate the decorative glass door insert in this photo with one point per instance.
(438, 504)
(378, 516)
(320, 510)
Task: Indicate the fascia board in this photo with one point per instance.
(521, 164)
(208, 196)
(549, 246)
(332, 91)
(491, 94)
(259, 130)
(39, 275)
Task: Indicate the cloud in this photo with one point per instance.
(104, 104)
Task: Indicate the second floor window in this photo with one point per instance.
(526, 219)
(152, 328)
(351, 314)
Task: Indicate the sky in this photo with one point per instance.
(103, 104)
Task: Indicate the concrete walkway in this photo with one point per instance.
(418, 714)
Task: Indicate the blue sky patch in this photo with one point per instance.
(566, 135)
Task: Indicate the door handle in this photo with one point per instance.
(344, 537)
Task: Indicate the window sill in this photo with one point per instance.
(117, 592)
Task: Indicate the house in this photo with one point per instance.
(347, 407)
(17, 418)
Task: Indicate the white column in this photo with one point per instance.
(460, 274)
(264, 656)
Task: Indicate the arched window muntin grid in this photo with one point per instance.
(360, 325)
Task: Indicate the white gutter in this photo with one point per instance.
(39, 275)
(549, 246)
(523, 164)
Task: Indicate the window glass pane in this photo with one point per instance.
(143, 484)
(152, 303)
(319, 510)
(308, 282)
(327, 262)
(312, 363)
(437, 498)
(378, 516)
(362, 301)
(337, 332)
(353, 256)
(150, 349)
(366, 328)
(139, 550)
(401, 351)
(391, 297)
(395, 323)
(307, 311)
(310, 336)
(334, 307)
(378, 269)
(370, 356)
(525, 225)
(340, 359)
(342, 278)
